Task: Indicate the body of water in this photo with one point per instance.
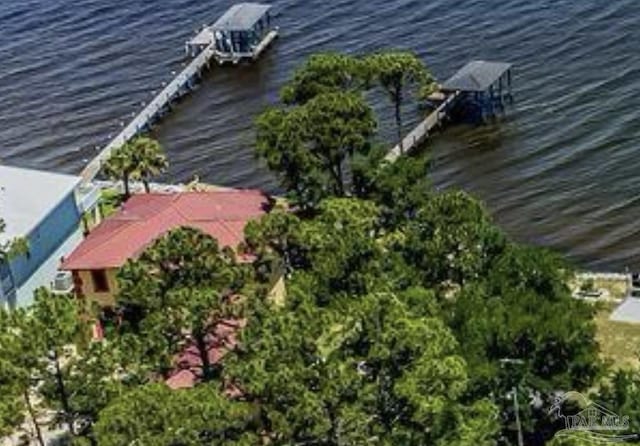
(560, 170)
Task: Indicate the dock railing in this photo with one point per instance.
(179, 86)
(423, 129)
(171, 92)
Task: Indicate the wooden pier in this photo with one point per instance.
(422, 131)
(179, 86)
(480, 88)
(205, 49)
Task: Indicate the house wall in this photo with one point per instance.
(45, 238)
(85, 287)
(7, 289)
(6, 280)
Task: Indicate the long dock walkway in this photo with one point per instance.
(421, 132)
(179, 86)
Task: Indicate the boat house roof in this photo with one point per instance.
(27, 196)
(476, 76)
(241, 17)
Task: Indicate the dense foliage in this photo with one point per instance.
(409, 317)
(45, 359)
(320, 142)
(175, 294)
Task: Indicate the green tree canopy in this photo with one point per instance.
(154, 415)
(400, 188)
(377, 371)
(150, 159)
(311, 147)
(410, 317)
(619, 391)
(522, 328)
(12, 248)
(14, 378)
(395, 71)
(407, 324)
(501, 300)
(120, 166)
(44, 357)
(342, 250)
(451, 239)
(324, 73)
(321, 142)
(176, 293)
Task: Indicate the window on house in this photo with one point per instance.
(100, 282)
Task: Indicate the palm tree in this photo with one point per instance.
(140, 158)
(121, 166)
(150, 160)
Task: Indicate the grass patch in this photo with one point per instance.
(617, 288)
(110, 201)
(619, 341)
(607, 288)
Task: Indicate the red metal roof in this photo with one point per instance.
(146, 217)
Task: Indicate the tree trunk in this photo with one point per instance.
(334, 428)
(62, 393)
(398, 103)
(340, 179)
(91, 439)
(334, 166)
(125, 181)
(201, 343)
(32, 414)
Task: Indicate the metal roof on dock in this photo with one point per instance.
(241, 17)
(476, 76)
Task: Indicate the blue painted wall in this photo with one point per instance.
(7, 289)
(45, 239)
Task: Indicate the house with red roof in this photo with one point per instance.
(223, 214)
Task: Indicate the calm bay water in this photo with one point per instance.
(560, 170)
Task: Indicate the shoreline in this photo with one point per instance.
(196, 185)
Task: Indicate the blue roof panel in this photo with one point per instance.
(476, 76)
(241, 17)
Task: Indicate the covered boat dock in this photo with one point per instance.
(477, 90)
(242, 32)
(484, 87)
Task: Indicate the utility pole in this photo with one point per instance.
(517, 410)
(514, 391)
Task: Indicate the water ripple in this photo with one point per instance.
(559, 170)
